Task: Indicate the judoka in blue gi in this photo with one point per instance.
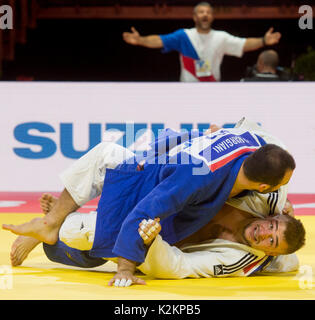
(184, 180)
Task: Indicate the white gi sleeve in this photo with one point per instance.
(84, 179)
(168, 262)
(233, 46)
(257, 129)
(283, 263)
(261, 204)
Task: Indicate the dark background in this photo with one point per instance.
(93, 50)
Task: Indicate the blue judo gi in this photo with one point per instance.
(182, 181)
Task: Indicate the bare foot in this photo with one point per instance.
(23, 245)
(20, 249)
(47, 201)
(213, 128)
(46, 229)
(41, 229)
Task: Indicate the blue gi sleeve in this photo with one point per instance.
(172, 41)
(178, 41)
(176, 191)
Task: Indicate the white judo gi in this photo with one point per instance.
(219, 257)
(84, 181)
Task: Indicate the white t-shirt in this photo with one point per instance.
(201, 54)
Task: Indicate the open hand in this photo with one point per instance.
(132, 37)
(125, 279)
(271, 37)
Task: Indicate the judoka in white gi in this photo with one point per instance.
(208, 258)
(221, 257)
(84, 180)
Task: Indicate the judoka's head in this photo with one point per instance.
(268, 168)
(276, 235)
(203, 16)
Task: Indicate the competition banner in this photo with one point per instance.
(46, 126)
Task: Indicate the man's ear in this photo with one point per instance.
(263, 186)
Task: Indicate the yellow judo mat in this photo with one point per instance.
(40, 279)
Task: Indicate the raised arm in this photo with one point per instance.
(135, 39)
(270, 38)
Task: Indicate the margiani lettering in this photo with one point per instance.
(228, 143)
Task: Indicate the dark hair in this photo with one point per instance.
(268, 164)
(294, 234)
(202, 4)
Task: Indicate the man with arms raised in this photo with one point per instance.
(202, 48)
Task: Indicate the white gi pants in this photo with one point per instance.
(84, 181)
(78, 230)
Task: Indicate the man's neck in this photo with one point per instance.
(241, 183)
(203, 31)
